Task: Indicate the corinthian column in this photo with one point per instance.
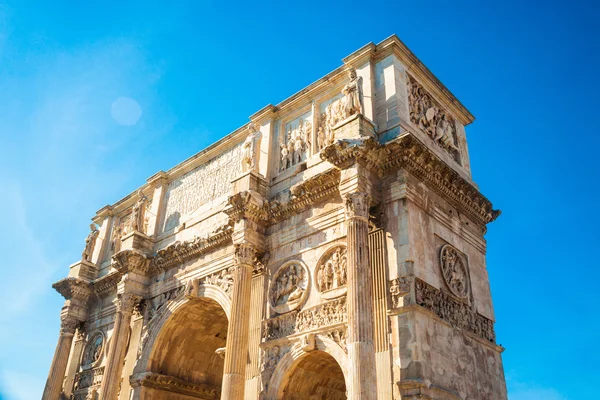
(360, 299)
(109, 388)
(236, 353)
(54, 383)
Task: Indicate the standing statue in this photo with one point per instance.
(353, 96)
(250, 148)
(90, 243)
(321, 138)
(136, 220)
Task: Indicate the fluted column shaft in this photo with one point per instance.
(236, 352)
(361, 351)
(61, 358)
(109, 388)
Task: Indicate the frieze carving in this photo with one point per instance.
(269, 359)
(454, 271)
(176, 385)
(90, 243)
(430, 117)
(329, 313)
(206, 182)
(180, 252)
(87, 378)
(289, 287)
(223, 279)
(455, 312)
(94, 350)
(400, 287)
(331, 273)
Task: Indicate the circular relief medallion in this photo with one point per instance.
(331, 273)
(289, 287)
(92, 354)
(454, 271)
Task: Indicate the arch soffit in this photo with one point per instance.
(155, 327)
(290, 361)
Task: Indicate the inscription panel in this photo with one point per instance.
(200, 186)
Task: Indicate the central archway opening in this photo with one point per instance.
(184, 362)
(316, 376)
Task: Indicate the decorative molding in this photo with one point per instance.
(325, 314)
(409, 153)
(176, 385)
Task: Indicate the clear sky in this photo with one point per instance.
(72, 139)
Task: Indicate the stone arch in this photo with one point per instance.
(288, 363)
(162, 318)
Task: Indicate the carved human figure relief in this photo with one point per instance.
(251, 148)
(289, 287)
(93, 350)
(454, 271)
(295, 141)
(117, 234)
(429, 116)
(331, 273)
(90, 243)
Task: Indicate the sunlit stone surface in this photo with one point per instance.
(332, 248)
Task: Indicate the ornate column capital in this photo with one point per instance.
(126, 302)
(68, 325)
(244, 254)
(131, 260)
(357, 205)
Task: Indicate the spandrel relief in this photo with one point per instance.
(331, 274)
(430, 117)
(289, 287)
(295, 142)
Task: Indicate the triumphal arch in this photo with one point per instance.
(331, 248)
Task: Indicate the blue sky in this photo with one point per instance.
(526, 70)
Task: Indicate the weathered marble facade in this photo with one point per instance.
(331, 248)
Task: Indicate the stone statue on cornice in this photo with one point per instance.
(250, 149)
(353, 96)
(90, 243)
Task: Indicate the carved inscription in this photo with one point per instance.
(201, 185)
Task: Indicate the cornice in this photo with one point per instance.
(244, 205)
(407, 152)
(305, 194)
(180, 252)
(73, 288)
(131, 261)
(107, 284)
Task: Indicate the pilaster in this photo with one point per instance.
(159, 182)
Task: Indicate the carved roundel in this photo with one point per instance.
(454, 270)
(331, 273)
(289, 287)
(94, 349)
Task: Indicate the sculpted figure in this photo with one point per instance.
(90, 243)
(136, 220)
(250, 148)
(284, 156)
(353, 97)
(321, 138)
(116, 236)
